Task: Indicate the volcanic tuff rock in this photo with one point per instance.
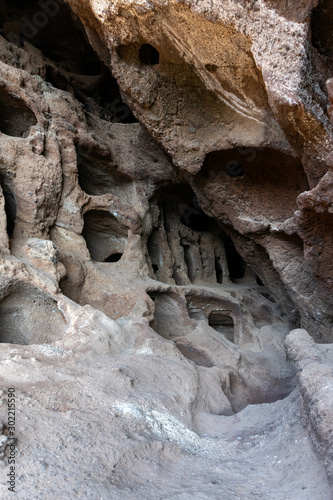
(166, 241)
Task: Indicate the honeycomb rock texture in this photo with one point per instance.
(166, 236)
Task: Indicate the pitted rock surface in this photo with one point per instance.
(166, 241)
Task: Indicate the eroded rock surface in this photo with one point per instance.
(165, 173)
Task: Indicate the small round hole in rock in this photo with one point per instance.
(114, 257)
(149, 55)
(212, 68)
(16, 118)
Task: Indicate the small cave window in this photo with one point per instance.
(195, 218)
(222, 322)
(16, 117)
(10, 207)
(149, 55)
(236, 264)
(114, 257)
(155, 268)
(105, 236)
(197, 314)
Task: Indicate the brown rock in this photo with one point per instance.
(165, 202)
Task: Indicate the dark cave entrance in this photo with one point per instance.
(236, 265)
(199, 248)
(222, 322)
(41, 23)
(10, 206)
(195, 218)
(16, 118)
(73, 64)
(149, 55)
(215, 311)
(321, 28)
(114, 257)
(105, 236)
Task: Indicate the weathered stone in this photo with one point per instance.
(165, 203)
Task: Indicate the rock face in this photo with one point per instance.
(239, 83)
(166, 205)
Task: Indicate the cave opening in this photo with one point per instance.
(16, 118)
(222, 322)
(97, 172)
(236, 265)
(155, 268)
(321, 27)
(56, 78)
(149, 55)
(41, 23)
(73, 65)
(193, 242)
(257, 176)
(105, 236)
(10, 206)
(114, 257)
(109, 98)
(195, 218)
